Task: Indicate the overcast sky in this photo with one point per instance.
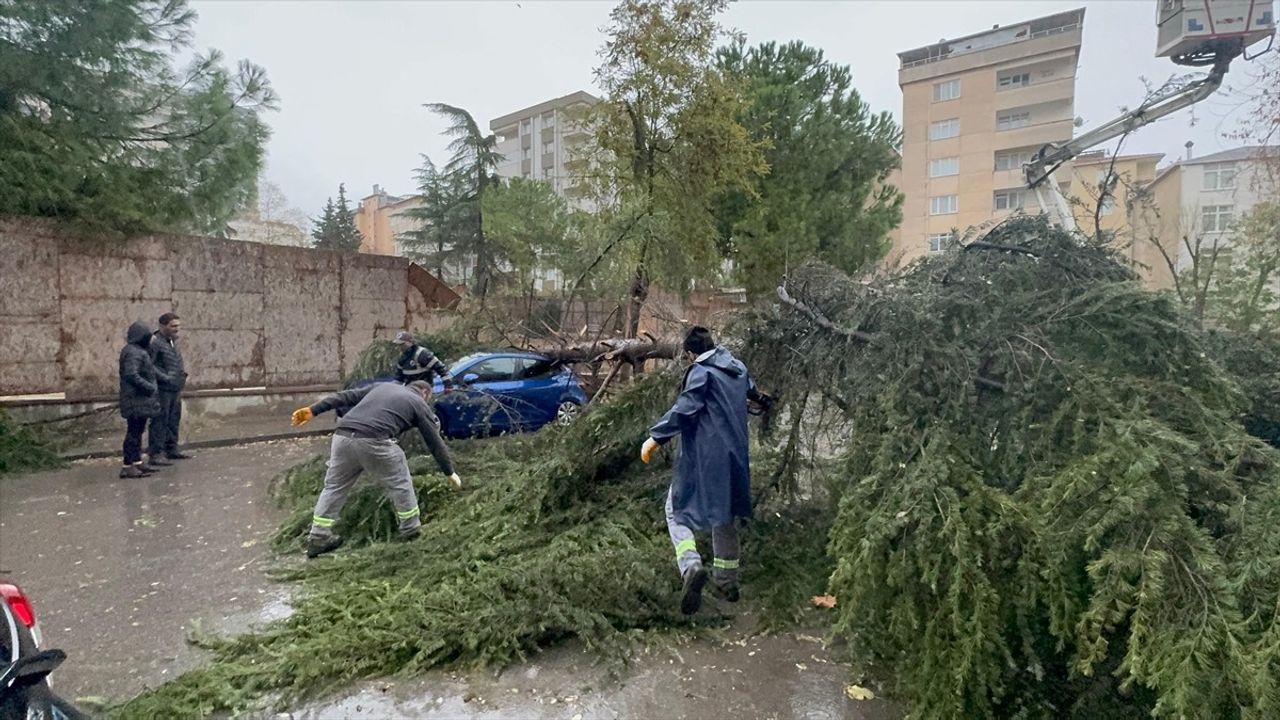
(352, 76)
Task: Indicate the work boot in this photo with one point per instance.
(691, 599)
(157, 461)
(131, 471)
(319, 546)
(727, 589)
(410, 536)
(178, 455)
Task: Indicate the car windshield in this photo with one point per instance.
(458, 366)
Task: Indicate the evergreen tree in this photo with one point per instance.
(97, 125)
(430, 244)
(829, 157)
(335, 229)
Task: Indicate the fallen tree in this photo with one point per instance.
(1049, 505)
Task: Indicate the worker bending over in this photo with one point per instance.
(712, 485)
(365, 440)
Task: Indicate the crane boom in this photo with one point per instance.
(1039, 172)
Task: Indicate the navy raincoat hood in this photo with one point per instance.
(713, 476)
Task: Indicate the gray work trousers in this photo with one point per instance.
(348, 457)
(724, 544)
(162, 432)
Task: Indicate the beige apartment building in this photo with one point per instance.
(973, 111)
(379, 220)
(538, 141)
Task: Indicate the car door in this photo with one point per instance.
(492, 394)
(541, 387)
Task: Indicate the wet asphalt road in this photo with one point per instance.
(121, 570)
(118, 570)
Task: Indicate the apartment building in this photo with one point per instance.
(537, 142)
(973, 111)
(1196, 202)
(380, 222)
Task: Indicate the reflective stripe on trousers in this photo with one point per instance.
(348, 457)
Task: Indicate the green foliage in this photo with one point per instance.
(451, 216)
(557, 535)
(829, 158)
(335, 229)
(1048, 506)
(22, 450)
(380, 357)
(99, 127)
(433, 243)
(534, 228)
(1254, 362)
(667, 143)
(1247, 299)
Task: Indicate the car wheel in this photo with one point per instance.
(567, 412)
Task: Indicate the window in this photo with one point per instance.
(939, 242)
(526, 153)
(1108, 205)
(942, 205)
(548, 148)
(548, 173)
(499, 369)
(1010, 119)
(1013, 80)
(549, 120)
(531, 368)
(1013, 159)
(1220, 176)
(1215, 218)
(944, 129)
(949, 90)
(1010, 199)
(944, 166)
(525, 125)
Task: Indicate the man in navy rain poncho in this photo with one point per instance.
(712, 485)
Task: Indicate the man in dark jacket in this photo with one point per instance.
(139, 396)
(712, 486)
(171, 377)
(366, 440)
(418, 363)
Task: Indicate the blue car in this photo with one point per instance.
(506, 392)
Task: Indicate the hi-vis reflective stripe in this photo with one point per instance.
(725, 564)
(408, 513)
(322, 521)
(686, 546)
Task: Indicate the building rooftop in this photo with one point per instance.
(995, 37)
(575, 98)
(1248, 152)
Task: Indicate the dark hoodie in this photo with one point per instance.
(138, 396)
(713, 477)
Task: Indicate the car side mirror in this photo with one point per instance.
(470, 378)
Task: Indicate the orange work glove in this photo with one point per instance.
(646, 450)
(302, 416)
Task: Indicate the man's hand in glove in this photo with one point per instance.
(302, 416)
(646, 450)
(457, 481)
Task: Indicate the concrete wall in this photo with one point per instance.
(253, 315)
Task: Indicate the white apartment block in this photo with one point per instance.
(537, 142)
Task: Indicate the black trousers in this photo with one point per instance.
(162, 439)
(133, 439)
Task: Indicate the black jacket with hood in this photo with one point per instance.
(138, 390)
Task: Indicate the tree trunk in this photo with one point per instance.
(638, 296)
(630, 351)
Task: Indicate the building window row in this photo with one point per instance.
(1010, 119)
(1220, 176)
(943, 205)
(1013, 159)
(944, 129)
(942, 167)
(1009, 81)
(940, 241)
(1216, 218)
(1010, 199)
(946, 90)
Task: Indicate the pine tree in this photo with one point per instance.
(335, 229)
(99, 127)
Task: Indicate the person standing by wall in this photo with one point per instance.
(171, 377)
(139, 397)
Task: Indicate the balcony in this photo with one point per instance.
(1034, 135)
(1036, 93)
